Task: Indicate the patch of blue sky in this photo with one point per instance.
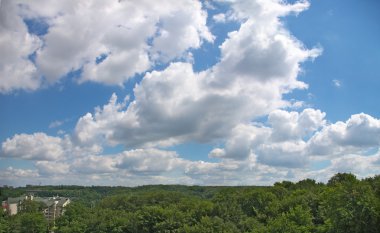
(33, 112)
(193, 151)
(15, 163)
(112, 150)
(209, 53)
(351, 54)
(32, 57)
(99, 59)
(318, 165)
(371, 151)
(37, 26)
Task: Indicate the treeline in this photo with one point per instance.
(96, 193)
(345, 204)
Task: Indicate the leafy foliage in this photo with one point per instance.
(345, 204)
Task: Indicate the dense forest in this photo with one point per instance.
(345, 204)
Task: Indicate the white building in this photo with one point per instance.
(13, 204)
(54, 207)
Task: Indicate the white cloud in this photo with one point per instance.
(259, 63)
(217, 153)
(219, 18)
(17, 177)
(131, 36)
(289, 133)
(94, 165)
(148, 161)
(224, 172)
(169, 107)
(92, 129)
(49, 168)
(11, 172)
(295, 138)
(359, 133)
(176, 104)
(42, 147)
(284, 154)
(37, 146)
(182, 29)
(263, 53)
(264, 10)
(55, 124)
(242, 141)
(16, 44)
(282, 144)
(337, 83)
(251, 154)
(294, 125)
(360, 165)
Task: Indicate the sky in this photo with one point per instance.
(224, 92)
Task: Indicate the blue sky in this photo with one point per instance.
(210, 93)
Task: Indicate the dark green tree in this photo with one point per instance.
(4, 225)
(296, 220)
(32, 223)
(211, 225)
(342, 179)
(351, 208)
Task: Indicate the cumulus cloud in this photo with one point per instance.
(94, 165)
(294, 125)
(265, 10)
(219, 18)
(358, 164)
(49, 168)
(17, 173)
(16, 45)
(17, 176)
(37, 146)
(211, 173)
(148, 161)
(185, 28)
(295, 138)
(240, 143)
(170, 106)
(281, 143)
(42, 147)
(358, 133)
(284, 154)
(258, 65)
(262, 49)
(361, 165)
(112, 41)
(109, 41)
(176, 104)
(250, 156)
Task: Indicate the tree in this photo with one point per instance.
(32, 223)
(352, 208)
(260, 203)
(296, 220)
(211, 225)
(342, 179)
(4, 226)
(75, 219)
